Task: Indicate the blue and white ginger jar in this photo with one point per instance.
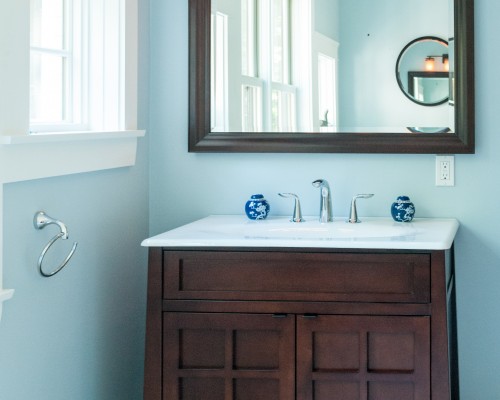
(403, 210)
(257, 207)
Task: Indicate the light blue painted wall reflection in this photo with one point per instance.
(370, 43)
(327, 18)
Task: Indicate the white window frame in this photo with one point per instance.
(14, 81)
(27, 157)
(219, 74)
(327, 99)
(250, 38)
(251, 104)
(326, 47)
(97, 83)
(286, 14)
(286, 104)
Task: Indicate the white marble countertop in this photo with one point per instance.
(371, 233)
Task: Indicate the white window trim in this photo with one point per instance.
(219, 75)
(256, 83)
(26, 157)
(292, 90)
(326, 46)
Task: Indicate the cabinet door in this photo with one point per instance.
(228, 357)
(363, 358)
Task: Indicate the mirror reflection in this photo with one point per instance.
(428, 88)
(323, 66)
(422, 71)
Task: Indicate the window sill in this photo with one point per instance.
(37, 156)
(69, 136)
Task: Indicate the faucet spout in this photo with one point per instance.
(325, 201)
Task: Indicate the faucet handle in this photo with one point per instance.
(297, 213)
(353, 215)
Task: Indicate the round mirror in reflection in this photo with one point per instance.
(422, 71)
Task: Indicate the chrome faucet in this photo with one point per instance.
(297, 212)
(353, 214)
(325, 201)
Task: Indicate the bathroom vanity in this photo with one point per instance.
(272, 310)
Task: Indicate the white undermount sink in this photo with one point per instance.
(371, 233)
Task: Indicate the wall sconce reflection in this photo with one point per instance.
(430, 62)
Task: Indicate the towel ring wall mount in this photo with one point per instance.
(40, 221)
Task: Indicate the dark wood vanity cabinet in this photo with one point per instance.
(300, 324)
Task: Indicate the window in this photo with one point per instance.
(273, 66)
(77, 65)
(268, 95)
(251, 107)
(283, 114)
(327, 89)
(280, 39)
(251, 85)
(109, 139)
(324, 75)
(219, 76)
(283, 110)
(249, 38)
(55, 62)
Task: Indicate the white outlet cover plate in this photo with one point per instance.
(451, 180)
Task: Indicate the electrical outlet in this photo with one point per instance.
(445, 170)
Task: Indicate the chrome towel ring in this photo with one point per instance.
(40, 221)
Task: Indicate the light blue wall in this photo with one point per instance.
(368, 91)
(187, 186)
(326, 18)
(80, 334)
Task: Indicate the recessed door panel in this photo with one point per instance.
(363, 357)
(228, 357)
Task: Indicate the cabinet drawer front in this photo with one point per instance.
(362, 277)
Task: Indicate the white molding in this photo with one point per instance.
(68, 136)
(5, 294)
(14, 59)
(43, 156)
(47, 155)
(131, 55)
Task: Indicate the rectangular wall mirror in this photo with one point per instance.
(326, 76)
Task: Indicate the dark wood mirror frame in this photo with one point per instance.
(201, 139)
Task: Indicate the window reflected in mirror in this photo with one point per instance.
(429, 88)
(283, 66)
(281, 57)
